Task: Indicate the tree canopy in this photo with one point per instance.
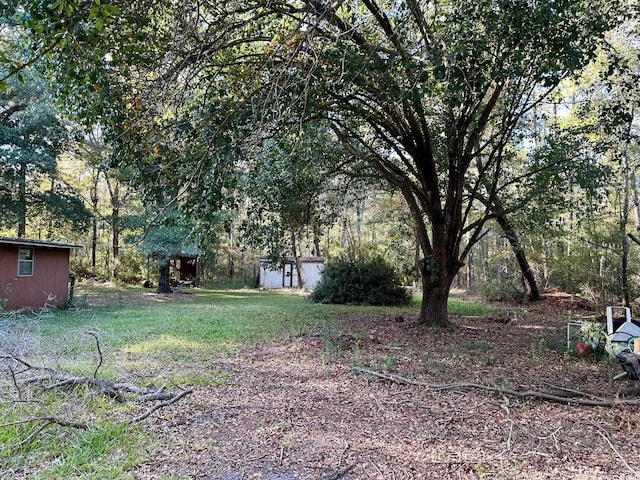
(429, 94)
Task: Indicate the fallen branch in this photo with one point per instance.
(592, 402)
(160, 405)
(23, 374)
(606, 439)
(115, 391)
(63, 380)
(47, 421)
(341, 472)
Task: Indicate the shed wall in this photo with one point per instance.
(50, 276)
(287, 276)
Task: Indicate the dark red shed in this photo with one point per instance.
(33, 271)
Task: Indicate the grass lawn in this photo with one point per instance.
(143, 338)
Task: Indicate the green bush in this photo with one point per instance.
(365, 282)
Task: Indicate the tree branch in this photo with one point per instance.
(552, 397)
(160, 405)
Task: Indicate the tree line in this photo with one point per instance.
(490, 126)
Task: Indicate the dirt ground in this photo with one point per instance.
(298, 409)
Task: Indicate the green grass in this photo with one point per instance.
(147, 339)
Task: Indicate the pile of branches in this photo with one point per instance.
(25, 384)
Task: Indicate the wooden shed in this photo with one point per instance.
(185, 270)
(33, 273)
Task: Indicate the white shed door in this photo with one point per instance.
(290, 276)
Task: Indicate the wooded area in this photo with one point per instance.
(489, 145)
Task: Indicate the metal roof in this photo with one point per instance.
(26, 242)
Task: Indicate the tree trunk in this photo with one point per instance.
(163, 277)
(231, 263)
(115, 239)
(624, 240)
(316, 242)
(94, 222)
(94, 241)
(116, 199)
(518, 251)
(22, 202)
(624, 219)
(296, 259)
(434, 309)
(438, 267)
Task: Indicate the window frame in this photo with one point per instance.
(25, 261)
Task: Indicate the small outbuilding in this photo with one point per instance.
(286, 274)
(33, 273)
(185, 270)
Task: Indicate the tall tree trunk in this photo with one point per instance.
(163, 277)
(624, 240)
(94, 221)
(116, 199)
(469, 271)
(22, 201)
(438, 267)
(50, 221)
(624, 216)
(360, 206)
(316, 242)
(232, 244)
(115, 239)
(296, 259)
(518, 251)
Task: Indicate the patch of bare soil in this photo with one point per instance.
(96, 300)
(298, 410)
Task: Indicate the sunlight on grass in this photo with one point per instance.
(163, 343)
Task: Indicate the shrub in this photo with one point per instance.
(593, 335)
(365, 282)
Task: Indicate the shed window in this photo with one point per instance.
(25, 262)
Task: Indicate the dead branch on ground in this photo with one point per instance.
(25, 382)
(573, 397)
(341, 472)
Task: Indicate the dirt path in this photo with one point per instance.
(297, 410)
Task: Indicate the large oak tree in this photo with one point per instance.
(431, 94)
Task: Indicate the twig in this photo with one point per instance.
(502, 391)
(158, 406)
(95, 373)
(338, 474)
(46, 421)
(376, 467)
(606, 439)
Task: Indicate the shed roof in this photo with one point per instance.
(289, 259)
(37, 243)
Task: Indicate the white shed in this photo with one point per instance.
(286, 276)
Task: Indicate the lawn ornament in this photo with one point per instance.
(584, 349)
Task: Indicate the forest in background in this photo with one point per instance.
(116, 158)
